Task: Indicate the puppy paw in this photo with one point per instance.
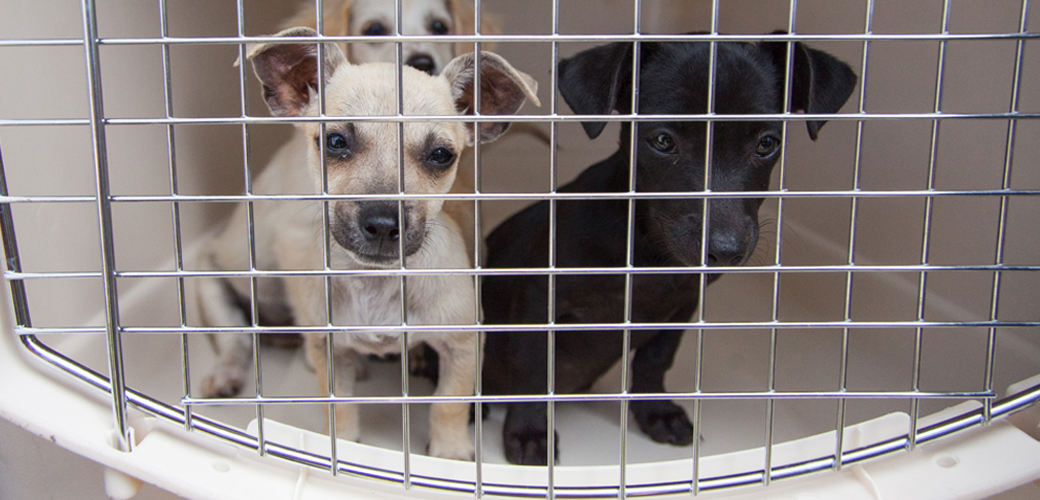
(527, 447)
(348, 426)
(460, 449)
(223, 383)
(664, 422)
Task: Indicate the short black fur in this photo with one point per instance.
(668, 232)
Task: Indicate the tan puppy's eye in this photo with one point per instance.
(337, 144)
(375, 29)
(440, 158)
(439, 27)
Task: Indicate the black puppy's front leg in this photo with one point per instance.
(664, 421)
(525, 432)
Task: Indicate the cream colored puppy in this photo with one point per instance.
(361, 157)
(376, 18)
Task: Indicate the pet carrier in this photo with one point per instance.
(882, 341)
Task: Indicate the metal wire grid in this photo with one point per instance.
(122, 397)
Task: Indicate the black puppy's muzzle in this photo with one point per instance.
(733, 232)
(728, 249)
(422, 62)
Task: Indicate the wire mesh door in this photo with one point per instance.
(894, 272)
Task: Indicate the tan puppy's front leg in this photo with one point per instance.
(449, 422)
(347, 422)
(234, 351)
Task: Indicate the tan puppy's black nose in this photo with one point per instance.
(379, 227)
(422, 62)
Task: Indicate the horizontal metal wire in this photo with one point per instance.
(587, 397)
(692, 195)
(525, 271)
(44, 122)
(541, 327)
(547, 118)
(561, 38)
(968, 420)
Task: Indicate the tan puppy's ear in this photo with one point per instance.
(289, 71)
(503, 90)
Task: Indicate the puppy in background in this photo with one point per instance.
(668, 231)
(361, 157)
(376, 18)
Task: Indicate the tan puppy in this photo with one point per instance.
(419, 17)
(361, 158)
(376, 18)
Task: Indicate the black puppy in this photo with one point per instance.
(592, 233)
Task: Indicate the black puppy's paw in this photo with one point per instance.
(664, 422)
(527, 446)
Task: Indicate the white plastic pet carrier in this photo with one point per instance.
(882, 343)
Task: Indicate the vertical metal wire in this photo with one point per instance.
(922, 285)
(843, 369)
(767, 474)
(705, 233)
(406, 431)
(709, 153)
(14, 264)
(550, 407)
(326, 250)
(251, 229)
(626, 341)
(113, 332)
(478, 387)
(178, 247)
(1009, 153)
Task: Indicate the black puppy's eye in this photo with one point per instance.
(767, 146)
(335, 143)
(375, 29)
(438, 27)
(441, 157)
(663, 143)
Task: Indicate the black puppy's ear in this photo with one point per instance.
(289, 71)
(820, 83)
(595, 82)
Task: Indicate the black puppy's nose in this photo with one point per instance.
(379, 227)
(421, 62)
(725, 250)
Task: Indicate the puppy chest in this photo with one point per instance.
(367, 301)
